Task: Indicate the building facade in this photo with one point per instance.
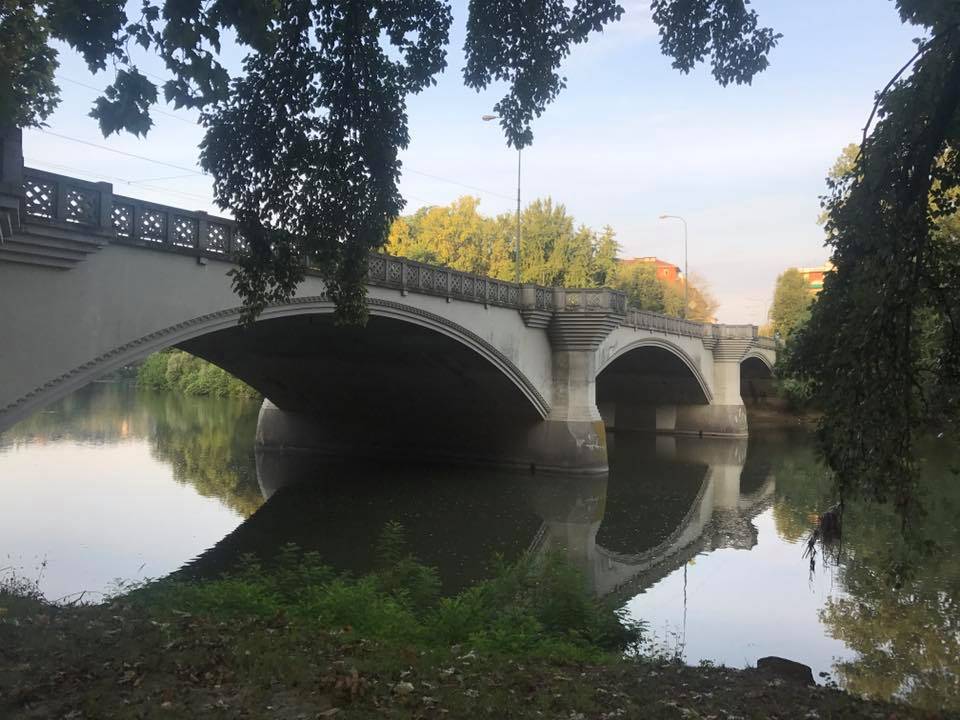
(813, 276)
(665, 270)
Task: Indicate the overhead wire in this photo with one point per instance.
(100, 90)
(463, 185)
(192, 171)
(121, 152)
(137, 183)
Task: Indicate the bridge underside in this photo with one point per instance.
(393, 389)
(757, 384)
(636, 384)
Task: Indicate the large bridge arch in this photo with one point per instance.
(200, 326)
(123, 303)
(663, 344)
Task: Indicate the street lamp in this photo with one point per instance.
(488, 118)
(686, 275)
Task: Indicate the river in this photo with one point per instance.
(702, 540)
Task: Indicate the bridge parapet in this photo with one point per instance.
(53, 199)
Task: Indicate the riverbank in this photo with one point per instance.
(299, 641)
(123, 662)
(178, 371)
(779, 416)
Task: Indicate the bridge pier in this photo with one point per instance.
(572, 437)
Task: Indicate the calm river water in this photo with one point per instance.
(701, 539)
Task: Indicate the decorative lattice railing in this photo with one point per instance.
(73, 203)
(64, 200)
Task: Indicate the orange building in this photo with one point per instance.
(665, 271)
(813, 276)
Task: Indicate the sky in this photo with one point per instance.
(629, 139)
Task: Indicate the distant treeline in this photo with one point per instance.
(182, 372)
(555, 251)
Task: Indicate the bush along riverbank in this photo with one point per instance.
(295, 639)
(182, 372)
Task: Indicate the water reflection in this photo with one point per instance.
(697, 537)
(624, 531)
(207, 442)
(112, 483)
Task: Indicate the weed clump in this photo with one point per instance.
(534, 607)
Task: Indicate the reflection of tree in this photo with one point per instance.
(907, 637)
(803, 488)
(99, 412)
(209, 443)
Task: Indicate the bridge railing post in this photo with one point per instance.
(11, 180)
(203, 232)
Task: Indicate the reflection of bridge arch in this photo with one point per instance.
(719, 516)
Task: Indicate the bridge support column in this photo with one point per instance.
(666, 418)
(572, 437)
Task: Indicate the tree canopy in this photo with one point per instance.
(555, 251)
(648, 291)
(302, 142)
(791, 303)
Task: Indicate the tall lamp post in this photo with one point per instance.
(488, 118)
(686, 275)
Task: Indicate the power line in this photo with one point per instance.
(190, 122)
(197, 172)
(464, 185)
(121, 152)
(100, 90)
(103, 176)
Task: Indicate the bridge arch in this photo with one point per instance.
(662, 344)
(755, 358)
(189, 333)
(757, 381)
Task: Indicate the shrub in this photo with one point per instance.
(152, 374)
(797, 393)
(533, 607)
(182, 372)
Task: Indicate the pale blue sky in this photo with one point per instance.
(630, 138)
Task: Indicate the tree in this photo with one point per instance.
(791, 303)
(883, 334)
(646, 291)
(555, 252)
(639, 281)
(303, 142)
(605, 252)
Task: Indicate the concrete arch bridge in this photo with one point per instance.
(450, 365)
